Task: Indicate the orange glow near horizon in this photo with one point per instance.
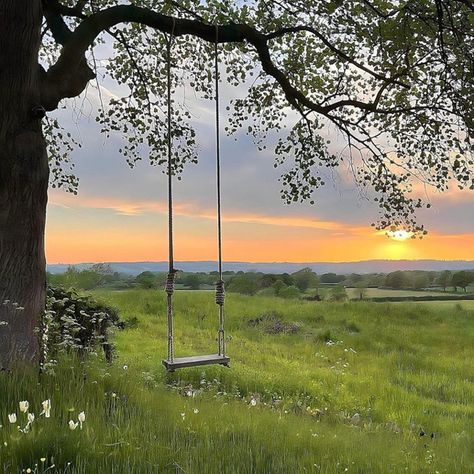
(91, 229)
(135, 240)
(98, 247)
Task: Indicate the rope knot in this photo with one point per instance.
(170, 279)
(220, 293)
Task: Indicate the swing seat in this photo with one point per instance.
(195, 361)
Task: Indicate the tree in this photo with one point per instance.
(397, 280)
(102, 268)
(87, 280)
(305, 278)
(246, 284)
(462, 280)
(395, 78)
(332, 278)
(361, 290)
(278, 287)
(444, 279)
(338, 293)
(147, 280)
(420, 280)
(354, 279)
(192, 280)
(268, 280)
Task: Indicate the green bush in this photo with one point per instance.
(267, 292)
(74, 323)
(289, 292)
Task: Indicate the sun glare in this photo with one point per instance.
(399, 235)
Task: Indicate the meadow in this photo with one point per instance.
(388, 292)
(313, 387)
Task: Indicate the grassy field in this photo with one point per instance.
(314, 387)
(385, 292)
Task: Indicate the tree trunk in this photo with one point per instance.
(23, 182)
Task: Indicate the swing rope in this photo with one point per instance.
(220, 287)
(171, 277)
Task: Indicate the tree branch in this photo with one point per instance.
(337, 51)
(53, 12)
(85, 34)
(64, 80)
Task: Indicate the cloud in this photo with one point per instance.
(189, 209)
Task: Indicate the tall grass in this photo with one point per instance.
(360, 388)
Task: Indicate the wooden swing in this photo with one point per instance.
(172, 363)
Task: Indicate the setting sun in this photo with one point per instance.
(399, 235)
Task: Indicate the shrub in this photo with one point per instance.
(267, 292)
(315, 297)
(289, 292)
(74, 323)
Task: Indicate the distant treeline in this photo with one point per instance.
(302, 282)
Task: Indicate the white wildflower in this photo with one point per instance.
(31, 418)
(253, 402)
(24, 405)
(72, 425)
(196, 411)
(12, 418)
(81, 417)
(46, 408)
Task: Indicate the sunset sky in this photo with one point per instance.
(120, 214)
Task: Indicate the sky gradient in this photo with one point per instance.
(120, 214)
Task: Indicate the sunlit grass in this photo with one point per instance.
(405, 369)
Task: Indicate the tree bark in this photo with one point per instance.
(23, 182)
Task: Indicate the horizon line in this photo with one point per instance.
(272, 262)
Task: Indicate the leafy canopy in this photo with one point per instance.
(393, 81)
